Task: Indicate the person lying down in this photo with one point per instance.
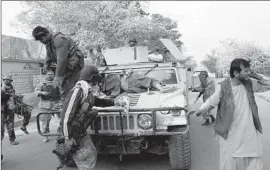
(130, 82)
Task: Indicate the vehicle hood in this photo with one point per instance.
(156, 99)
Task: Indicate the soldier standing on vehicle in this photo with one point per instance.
(206, 89)
(49, 95)
(237, 122)
(63, 52)
(77, 114)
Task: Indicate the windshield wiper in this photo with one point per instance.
(156, 65)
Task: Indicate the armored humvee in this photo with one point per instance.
(155, 122)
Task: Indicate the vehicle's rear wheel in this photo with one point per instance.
(62, 149)
(179, 150)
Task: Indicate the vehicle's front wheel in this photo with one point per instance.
(179, 150)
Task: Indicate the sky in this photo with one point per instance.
(202, 23)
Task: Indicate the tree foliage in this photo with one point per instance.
(211, 61)
(258, 56)
(108, 23)
(221, 56)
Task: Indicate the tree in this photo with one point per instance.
(258, 56)
(107, 23)
(211, 61)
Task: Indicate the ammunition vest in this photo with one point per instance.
(226, 108)
(75, 55)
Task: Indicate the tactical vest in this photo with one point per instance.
(8, 89)
(75, 55)
(84, 117)
(226, 108)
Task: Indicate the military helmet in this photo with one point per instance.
(89, 73)
(8, 77)
(132, 40)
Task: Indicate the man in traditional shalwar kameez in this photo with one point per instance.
(237, 122)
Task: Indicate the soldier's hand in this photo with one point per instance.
(70, 142)
(43, 93)
(122, 101)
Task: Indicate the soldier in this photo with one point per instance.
(9, 109)
(77, 114)
(132, 42)
(101, 61)
(4, 99)
(63, 52)
(206, 89)
(49, 95)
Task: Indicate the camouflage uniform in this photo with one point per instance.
(76, 117)
(207, 89)
(4, 99)
(69, 61)
(86, 157)
(24, 111)
(7, 114)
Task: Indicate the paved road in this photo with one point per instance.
(33, 154)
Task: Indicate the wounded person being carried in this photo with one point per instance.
(130, 82)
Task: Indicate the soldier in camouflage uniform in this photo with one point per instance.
(206, 89)
(49, 95)
(77, 114)
(8, 110)
(63, 52)
(4, 99)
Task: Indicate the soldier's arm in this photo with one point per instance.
(4, 89)
(103, 102)
(61, 46)
(48, 59)
(13, 90)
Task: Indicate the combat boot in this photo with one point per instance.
(14, 142)
(206, 123)
(23, 128)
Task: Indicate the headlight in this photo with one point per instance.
(165, 112)
(145, 121)
(177, 112)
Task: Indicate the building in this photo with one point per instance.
(22, 58)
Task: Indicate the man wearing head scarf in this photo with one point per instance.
(63, 52)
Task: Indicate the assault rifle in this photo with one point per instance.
(67, 156)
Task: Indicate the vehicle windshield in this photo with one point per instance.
(165, 76)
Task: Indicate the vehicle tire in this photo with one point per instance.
(179, 150)
(62, 149)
